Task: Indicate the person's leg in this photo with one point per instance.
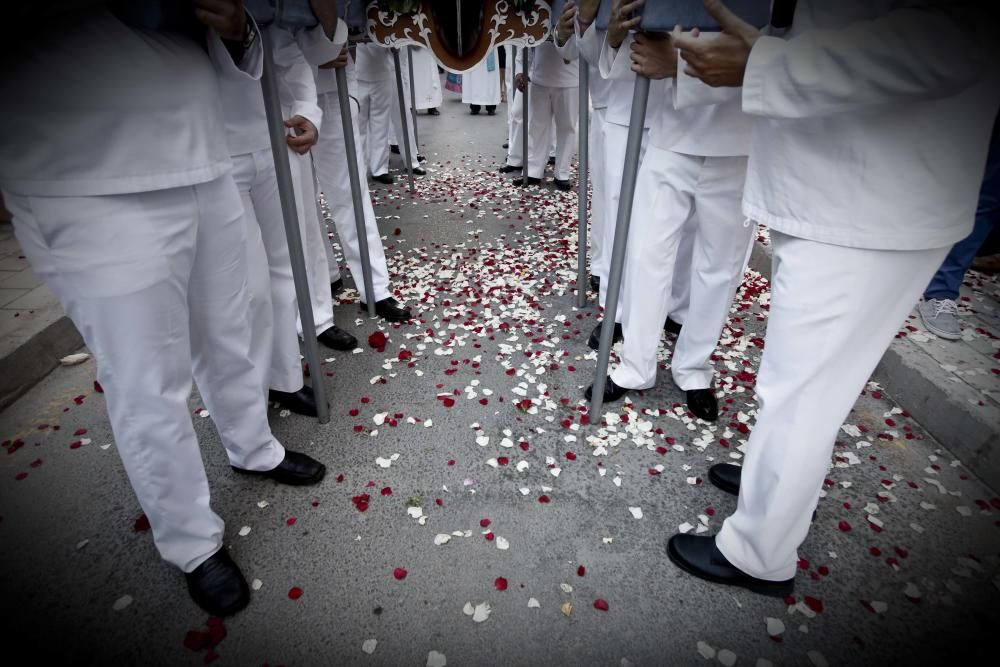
(721, 238)
(491, 109)
(539, 128)
(128, 259)
(313, 238)
(261, 320)
(334, 177)
(381, 97)
(566, 113)
(598, 214)
(664, 200)
(286, 366)
(228, 382)
(680, 287)
(834, 311)
(516, 127)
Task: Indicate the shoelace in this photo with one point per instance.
(945, 306)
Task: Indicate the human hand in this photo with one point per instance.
(586, 11)
(226, 17)
(655, 58)
(623, 20)
(566, 28)
(339, 62)
(520, 82)
(304, 135)
(722, 59)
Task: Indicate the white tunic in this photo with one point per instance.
(427, 81)
(481, 85)
(908, 138)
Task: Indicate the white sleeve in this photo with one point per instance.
(616, 63)
(590, 43)
(689, 91)
(296, 83)
(250, 68)
(570, 50)
(908, 54)
(317, 48)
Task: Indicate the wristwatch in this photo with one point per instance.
(249, 34)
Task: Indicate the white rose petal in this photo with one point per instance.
(122, 602)
(636, 512)
(244, 531)
(368, 646)
(435, 659)
(533, 604)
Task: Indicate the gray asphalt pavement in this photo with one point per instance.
(901, 566)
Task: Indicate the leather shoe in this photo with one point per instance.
(296, 469)
(421, 158)
(386, 179)
(419, 171)
(565, 186)
(218, 586)
(698, 555)
(612, 392)
(672, 327)
(726, 476)
(506, 144)
(336, 286)
(703, 404)
(594, 342)
(507, 168)
(433, 112)
(531, 181)
(552, 160)
(595, 283)
(301, 402)
(391, 310)
(394, 149)
(336, 338)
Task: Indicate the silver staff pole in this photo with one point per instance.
(584, 134)
(405, 139)
(413, 99)
(639, 99)
(286, 193)
(351, 155)
(524, 119)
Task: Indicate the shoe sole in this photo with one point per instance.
(777, 589)
(315, 479)
(940, 333)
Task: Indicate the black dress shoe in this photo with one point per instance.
(612, 392)
(386, 178)
(218, 586)
(491, 110)
(594, 342)
(433, 112)
(391, 310)
(672, 327)
(595, 284)
(296, 469)
(421, 158)
(301, 402)
(394, 148)
(419, 171)
(336, 338)
(703, 404)
(552, 160)
(506, 145)
(474, 109)
(531, 181)
(565, 186)
(336, 286)
(726, 476)
(698, 555)
(507, 168)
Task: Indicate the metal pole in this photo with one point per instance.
(524, 119)
(351, 155)
(286, 193)
(639, 99)
(584, 135)
(405, 139)
(413, 99)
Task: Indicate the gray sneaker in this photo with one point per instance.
(940, 316)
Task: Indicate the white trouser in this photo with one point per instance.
(515, 134)
(156, 284)
(330, 160)
(834, 311)
(549, 108)
(598, 216)
(615, 138)
(513, 109)
(396, 133)
(374, 119)
(274, 344)
(680, 286)
(671, 189)
(314, 237)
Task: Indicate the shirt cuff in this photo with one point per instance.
(765, 50)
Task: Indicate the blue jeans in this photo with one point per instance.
(947, 281)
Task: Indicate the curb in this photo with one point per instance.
(949, 412)
(30, 362)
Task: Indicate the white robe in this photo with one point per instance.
(480, 85)
(426, 80)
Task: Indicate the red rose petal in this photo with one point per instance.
(571, 456)
(601, 604)
(399, 573)
(294, 593)
(386, 491)
(451, 462)
(21, 475)
(502, 460)
(98, 388)
(291, 521)
(141, 524)
(844, 527)
(813, 603)
(580, 571)
(485, 523)
(500, 584)
(489, 536)
(543, 499)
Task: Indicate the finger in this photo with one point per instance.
(728, 21)
(632, 22)
(633, 6)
